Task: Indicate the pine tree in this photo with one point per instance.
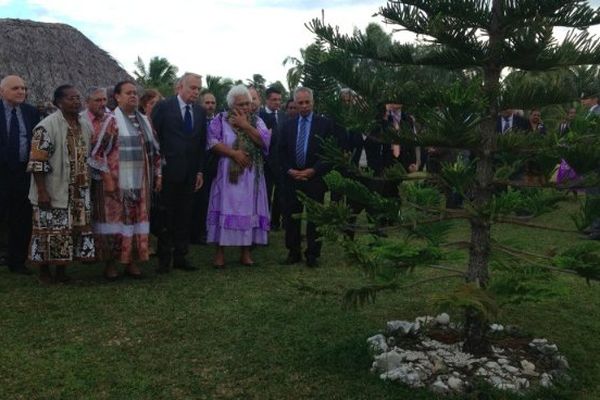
(482, 40)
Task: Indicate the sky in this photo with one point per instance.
(229, 38)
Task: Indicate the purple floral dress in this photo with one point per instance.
(238, 214)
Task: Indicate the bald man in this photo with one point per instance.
(17, 120)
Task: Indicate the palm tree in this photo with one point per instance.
(160, 74)
(219, 87)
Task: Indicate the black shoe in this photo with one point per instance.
(311, 262)
(291, 259)
(21, 270)
(184, 265)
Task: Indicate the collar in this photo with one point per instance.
(269, 111)
(9, 107)
(309, 117)
(182, 103)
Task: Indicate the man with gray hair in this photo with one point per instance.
(17, 120)
(301, 141)
(180, 124)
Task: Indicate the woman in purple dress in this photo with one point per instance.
(238, 214)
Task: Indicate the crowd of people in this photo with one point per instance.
(93, 179)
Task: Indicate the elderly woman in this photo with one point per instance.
(60, 189)
(128, 164)
(238, 213)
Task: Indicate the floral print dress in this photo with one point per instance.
(61, 235)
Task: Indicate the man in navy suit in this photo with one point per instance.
(181, 127)
(17, 120)
(510, 121)
(299, 148)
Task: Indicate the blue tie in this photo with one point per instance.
(301, 143)
(188, 126)
(13, 139)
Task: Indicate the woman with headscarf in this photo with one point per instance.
(60, 190)
(128, 164)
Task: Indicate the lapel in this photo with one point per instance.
(294, 136)
(3, 132)
(313, 131)
(178, 119)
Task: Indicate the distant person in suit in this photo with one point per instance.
(535, 122)
(180, 124)
(590, 101)
(408, 155)
(303, 168)
(291, 110)
(273, 117)
(510, 121)
(200, 203)
(565, 125)
(17, 120)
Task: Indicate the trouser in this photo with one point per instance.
(314, 189)
(15, 210)
(173, 241)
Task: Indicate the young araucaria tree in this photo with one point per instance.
(482, 40)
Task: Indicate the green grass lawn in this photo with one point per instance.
(248, 333)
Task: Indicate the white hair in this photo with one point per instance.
(93, 90)
(305, 90)
(238, 90)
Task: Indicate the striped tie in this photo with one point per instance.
(301, 143)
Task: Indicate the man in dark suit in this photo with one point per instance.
(509, 121)
(17, 120)
(273, 118)
(299, 147)
(181, 127)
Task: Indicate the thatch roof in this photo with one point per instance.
(49, 55)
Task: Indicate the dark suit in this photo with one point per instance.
(518, 124)
(15, 209)
(273, 177)
(314, 188)
(183, 158)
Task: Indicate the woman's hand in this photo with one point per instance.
(239, 119)
(242, 158)
(158, 184)
(43, 199)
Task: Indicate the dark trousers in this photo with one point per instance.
(314, 189)
(15, 211)
(176, 198)
(274, 183)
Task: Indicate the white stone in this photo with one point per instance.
(439, 387)
(545, 380)
(404, 374)
(403, 327)
(388, 361)
(548, 349)
(522, 383)
(507, 386)
(503, 361)
(377, 344)
(495, 380)
(511, 369)
(443, 319)
(482, 372)
(538, 342)
(426, 320)
(414, 355)
(527, 366)
(496, 328)
(561, 362)
(455, 384)
(492, 365)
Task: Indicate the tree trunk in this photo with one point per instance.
(476, 326)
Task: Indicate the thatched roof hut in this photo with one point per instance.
(49, 55)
